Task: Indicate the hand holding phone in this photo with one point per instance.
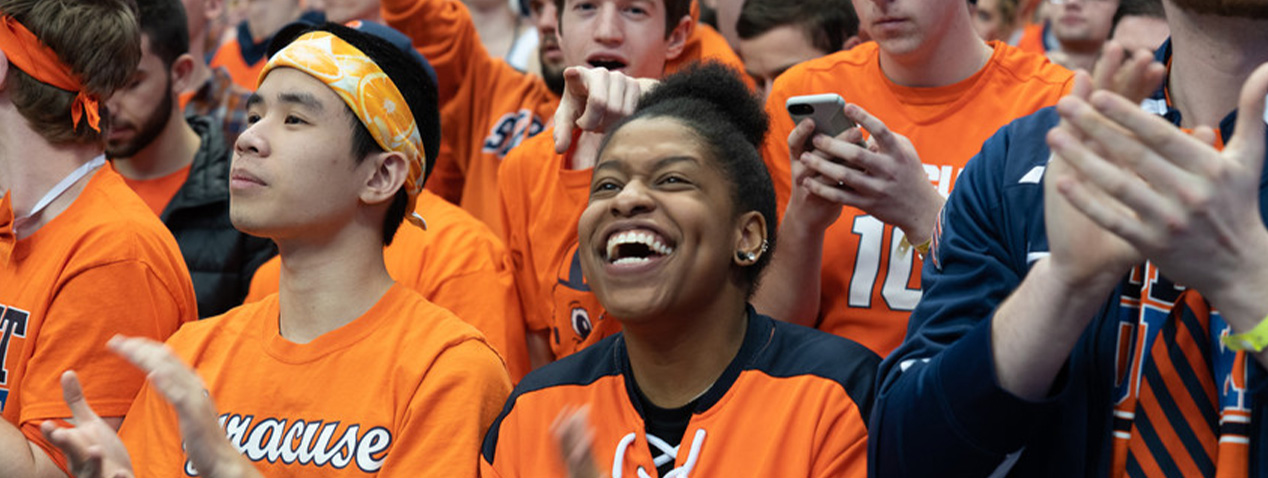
(827, 110)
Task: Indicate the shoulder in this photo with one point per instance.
(830, 68)
(794, 350)
(531, 161)
(1030, 68)
(111, 224)
(193, 337)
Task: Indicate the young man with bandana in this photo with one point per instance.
(344, 372)
(81, 257)
(1061, 332)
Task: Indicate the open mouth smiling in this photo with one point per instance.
(638, 246)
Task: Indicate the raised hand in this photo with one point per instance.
(576, 442)
(1175, 196)
(595, 99)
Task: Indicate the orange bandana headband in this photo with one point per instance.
(30, 55)
(368, 91)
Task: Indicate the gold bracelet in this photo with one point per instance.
(1255, 340)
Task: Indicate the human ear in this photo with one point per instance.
(750, 241)
(388, 175)
(678, 37)
(182, 72)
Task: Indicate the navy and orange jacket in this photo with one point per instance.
(940, 410)
(793, 402)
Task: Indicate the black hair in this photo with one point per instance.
(730, 121)
(826, 23)
(410, 77)
(674, 11)
(164, 22)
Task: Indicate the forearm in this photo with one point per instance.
(790, 289)
(20, 458)
(1035, 329)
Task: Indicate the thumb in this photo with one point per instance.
(1248, 137)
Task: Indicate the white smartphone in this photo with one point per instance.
(828, 111)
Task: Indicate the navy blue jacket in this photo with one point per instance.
(940, 410)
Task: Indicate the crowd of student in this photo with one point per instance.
(586, 238)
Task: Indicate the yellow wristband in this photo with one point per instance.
(922, 248)
(1255, 340)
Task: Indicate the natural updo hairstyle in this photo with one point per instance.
(730, 121)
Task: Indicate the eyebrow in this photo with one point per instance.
(305, 100)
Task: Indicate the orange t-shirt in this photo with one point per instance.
(229, 56)
(541, 203)
(488, 107)
(406, 389)
(104, 266)
(157, 192)
(458, 264)
(868, 288)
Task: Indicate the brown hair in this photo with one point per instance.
(98, 39)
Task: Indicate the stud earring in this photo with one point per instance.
(745, 256)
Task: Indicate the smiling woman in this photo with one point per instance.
(679, 225)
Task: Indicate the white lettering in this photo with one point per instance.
(271, 440)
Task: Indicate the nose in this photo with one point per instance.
(608, 28)
(632, 200)
(546, 18)
(251, 142)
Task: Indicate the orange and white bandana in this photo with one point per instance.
(25, 51)
(368, 91)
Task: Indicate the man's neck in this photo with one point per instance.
(957, 56)
(1211, 57)
(1080, 56)
(677, 359)
(497, 25)
(329, 281)
(30, 167)
(171, 151)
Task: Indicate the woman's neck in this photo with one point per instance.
(676, 358)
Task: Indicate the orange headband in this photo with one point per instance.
(29, 54)
(368, 92)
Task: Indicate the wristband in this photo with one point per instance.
(1255, 340)
(922, 248)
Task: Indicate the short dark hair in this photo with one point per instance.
(674, 11)
(826, 23)
(165, 23)
(710, 99)
(410, 77)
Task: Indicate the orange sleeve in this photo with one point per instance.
(444, 33)
(126, 298)
(445, 422)
(265, 280)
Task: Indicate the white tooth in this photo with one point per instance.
(630, 260)
(611, 247)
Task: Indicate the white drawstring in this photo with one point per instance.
(684, 471)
